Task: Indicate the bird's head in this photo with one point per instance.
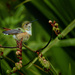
(27, 27)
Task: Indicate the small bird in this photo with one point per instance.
(25, 32)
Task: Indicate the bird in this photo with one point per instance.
(24, 32)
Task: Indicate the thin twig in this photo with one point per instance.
(20, 73)
(28, 63)
(8, 59)
(44, 46)
(28, 48)
(7, 47)
(39, 67)
(39, 49)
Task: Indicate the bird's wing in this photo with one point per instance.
(12, 31)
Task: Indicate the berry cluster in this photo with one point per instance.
(19, 50)
(18, 65)
(43, 61)
(55, 27)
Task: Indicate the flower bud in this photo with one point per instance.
(19, 57)
(56, 24)
(16, 64)
(44, 62)
(20, 61)
(57, 29)
(47, 64)
(8, 71)
(50, 21)
(54, 28)
(43, 57)
(60, 36)
(14, 69)
(18, 52)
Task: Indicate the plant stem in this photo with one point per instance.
(53, 70)
(44, 46)
(28, 48)
(28, 63)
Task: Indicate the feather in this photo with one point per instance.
(6, 29)
(13, 31)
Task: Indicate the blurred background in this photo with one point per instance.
(61, 56)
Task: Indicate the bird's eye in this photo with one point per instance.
(27, 23)
(19, 29)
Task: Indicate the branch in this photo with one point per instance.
(27, 63)
(7, 47)
(44, 46)
(28, 48)
(38, 49)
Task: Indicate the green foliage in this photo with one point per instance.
(60, 53)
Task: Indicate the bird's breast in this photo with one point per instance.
(24, 35)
